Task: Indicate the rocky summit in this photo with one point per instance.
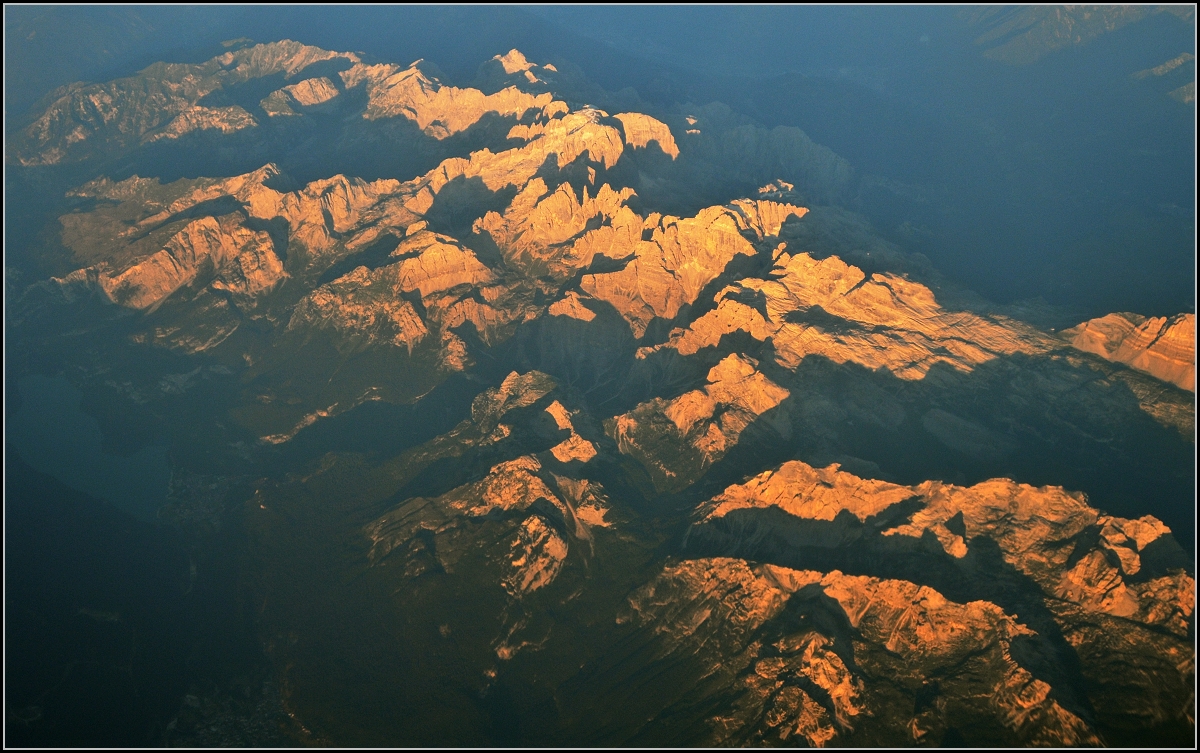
(552, 416)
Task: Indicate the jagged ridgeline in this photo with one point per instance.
(676, 450)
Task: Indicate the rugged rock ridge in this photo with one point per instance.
(1039, 532)
(445, 278)
(540, 231)
(720, 651)
(643, 130)
(833, 309)
(1160, 346)
(163, 101)
(244, 260)
(199, 98)
(167, 101)
(326, 219)
(198, 118)
(529, 512)
(438, 110)
(678, 440)
(309, 93)
(669, 269)
(515, 70)
(315, 218)
(819, 684)
(1071, 567)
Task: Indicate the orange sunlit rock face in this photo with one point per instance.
(1160, 346)
(642, 130)
(832, 309)
(1027, 524)
(677, 440)
(712, 605)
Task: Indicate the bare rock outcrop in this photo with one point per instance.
(534, 514)
(361, 309)
(681, 256)
(225, 245)
(322, 216)
(817, 684)
(451, 284)
(565, 138)
(678, 440)
(1070, 550)
(537, 230)
(309, 94)
(1163, 347)
(833, 309)
(574, 447)
(1119, 591)
(642, 130)
(536, 552)
(513, 69)
(438, 110)
(198, 118)
(162, 101)
(312, 91)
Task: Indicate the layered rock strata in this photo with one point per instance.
(1164, 347)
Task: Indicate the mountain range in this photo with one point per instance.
(669, 447)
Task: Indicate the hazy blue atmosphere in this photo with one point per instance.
(285, 319)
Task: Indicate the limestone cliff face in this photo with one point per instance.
(318, 219)
(832, 309)
(1073, 567)
(312, 91)
(574, 447)
(245, 257)
(451, 284)
(160, 102)
(537, 550)
(642, 130)
(455, 288)
(1162, 347)
(565, 138)
(309, 94)
(513, 69)
(538, 230)
(806, 492)
(815, 684)
(678, 440)
(440, 111)
(1044, 533)
(318, 216)
(680, 257)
